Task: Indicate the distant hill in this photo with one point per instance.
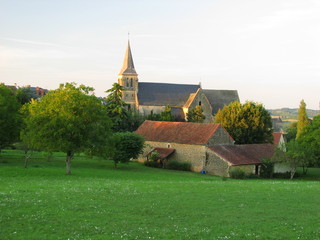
(291, 113)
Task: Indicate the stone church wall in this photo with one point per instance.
(201, 100)
(146, 110)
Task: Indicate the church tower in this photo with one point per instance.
(128, 79)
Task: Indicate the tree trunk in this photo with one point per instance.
(292, 173)
(26, 158)
(68, 162)
(304, 170)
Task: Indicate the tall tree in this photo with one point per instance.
(117, 108)
(70, 119)
(302, 118)
(247, 123)
(10, 120)
(196, 114)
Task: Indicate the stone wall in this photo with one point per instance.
(220, 137)
(146, 110)
(246, 168)
(216, 165)
(281, 167)
(194, 154)
(201, 100)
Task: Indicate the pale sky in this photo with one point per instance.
(268, 50)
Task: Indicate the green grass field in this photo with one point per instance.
(136, 202)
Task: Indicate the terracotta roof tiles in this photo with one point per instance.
(179, 132)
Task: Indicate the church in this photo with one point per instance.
(149, 97)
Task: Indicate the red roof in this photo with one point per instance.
(180, 132)
(276, 137)
(163, 152)
(247, 154)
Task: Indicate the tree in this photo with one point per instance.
(117, 108)
(291, 132)
(196, 114)
(127, 145)
(166, 114)
(303, 119)
(10, 120)
(246, 123)
(25, 94)
(310, 141)
(68, 119)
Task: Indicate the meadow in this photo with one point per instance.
(136, 202)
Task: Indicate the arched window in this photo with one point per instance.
(131, 82)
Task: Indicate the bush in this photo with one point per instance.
(152, 164)
(266, 170)
(285, 175)
(238, 173)
(175, 165)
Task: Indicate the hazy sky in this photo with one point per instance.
(268, 50)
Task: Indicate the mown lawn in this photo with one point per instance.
(136, 202)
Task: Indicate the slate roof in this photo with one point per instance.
(162, 94)
(163, 152)
(219, 98)
(247, 154)
(179, 132)
(128, 66)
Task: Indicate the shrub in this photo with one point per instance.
(238, 173)
(266, 170)
(175, 165)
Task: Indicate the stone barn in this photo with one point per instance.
(182, 141)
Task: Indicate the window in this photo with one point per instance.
(131, 82)
(199, 103)
(169, 145)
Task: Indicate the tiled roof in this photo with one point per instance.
(219, 98)
(276, 137)
(179, 132)
(163, 152)
(247, 154)
(162, 94)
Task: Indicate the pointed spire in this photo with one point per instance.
(128, 66)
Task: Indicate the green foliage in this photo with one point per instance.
(154, 156)
(247, 123)
(127, 145)
(302, 119)
(196, 114)
(181, 166)
(166, 115)
(10, 119)
(154, 117)
(237, 173)
(25, 94)
(267, 168)
(292, 132)
(67, 120)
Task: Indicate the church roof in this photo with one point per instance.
(162, 94)
(219, 98)
(128, 66)
(179, 132)
(247, 154)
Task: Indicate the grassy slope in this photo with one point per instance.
(135, 202)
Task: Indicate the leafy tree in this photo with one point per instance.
(25, 94)
(291, 132)
(166, 115)
(10, 120)
(310, 141)
(68, 119)
(154, 116)
(195, 114)
(302, 118)
(247, 123)
(127, 145)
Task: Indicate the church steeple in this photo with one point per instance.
(128, 66)
(128, 79)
